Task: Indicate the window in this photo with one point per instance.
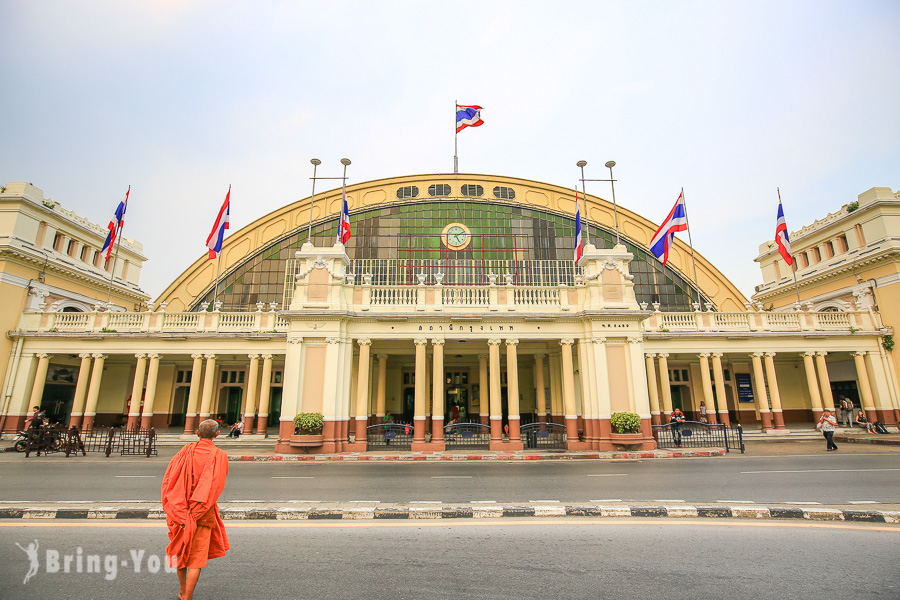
(469, 189)
(86, 254)
(409, 191)
(815, 255)
(184, 377)
(58, 242)
(70, 249)
(802, 260)
(276, 377)
(727, 374)
(684, 374)
(504, 193)
(829, 250)
(439, 189)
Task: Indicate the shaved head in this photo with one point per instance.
(208, 429)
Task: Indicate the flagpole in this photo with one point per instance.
(794, 260)
(455, 136)
(112, 273)
(582, 164)
(219, 259)
(345, 162)
(687, 222)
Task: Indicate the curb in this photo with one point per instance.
(436, 457)
(493, 511)
(867, 440)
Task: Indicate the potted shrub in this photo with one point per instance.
(626, 428)
(308, 430)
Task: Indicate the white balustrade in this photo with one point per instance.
(781, 321)
(281, 324)
(394, 296)
(71, 321)
(238, 321)
(466, 295)
(124, 321)
(678, 321)
(731, 320)
(536, 296)
(183, 320)
(833, 320)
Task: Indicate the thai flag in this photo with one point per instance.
(344, 231)
(115, 226)
(214, 241)
(468, 116)
(665, 235)
(781, 235)
(579, 247)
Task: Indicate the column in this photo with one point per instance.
(824, 382)
(252, 393)
(80, 390)
(362, 389)
(209, 387)
(604, 401)
(90, 409)
(265, 391)
(762, 399)
(150, 394)
(421, 390)
(720, 389)
(813, 385)
(137, 391)
(382, 386)
(707, 388)
(484, 408)
(777, 415)
(437, 397)
(653, 388)
(512, 390)
(190, 416)
(665, 387)
(496, 403)
(540, 395)
(568, 385)
(865, 386)
(40, 378)
(556, 410)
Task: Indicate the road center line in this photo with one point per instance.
(818, 471)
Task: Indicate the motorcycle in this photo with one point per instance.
(21, 440)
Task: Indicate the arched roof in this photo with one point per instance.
(181, 293)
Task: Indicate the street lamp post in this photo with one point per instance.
(609, 165)
(315, 163)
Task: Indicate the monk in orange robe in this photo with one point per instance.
(194, 479)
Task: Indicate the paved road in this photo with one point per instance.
(488, 560)
(834, 479)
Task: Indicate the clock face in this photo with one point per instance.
(456, 236)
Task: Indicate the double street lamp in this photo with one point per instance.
(610, 164)
(315, 163)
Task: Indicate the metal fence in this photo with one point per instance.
(544, 436)
(692, 434)
(125, 442)
(389, 436)
(467, 436)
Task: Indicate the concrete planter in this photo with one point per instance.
(306, 441)
(626, 439)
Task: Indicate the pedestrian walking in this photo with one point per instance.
(191, 487)
(827, 423)
(703, 411)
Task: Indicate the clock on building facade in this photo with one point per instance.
(456, 236)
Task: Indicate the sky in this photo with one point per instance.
(182, 98)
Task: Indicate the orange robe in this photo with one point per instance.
(193, 482)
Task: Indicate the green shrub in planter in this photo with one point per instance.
(625, 422)
(309, 423)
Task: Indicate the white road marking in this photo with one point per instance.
(425, 502)
(484, 502)
(607, 500)
(736, 501)
(667, 501)
(544, 501)
(244, 501)
(293, 477)
(821, 471)
(863, 502)
(803, 503)
(135, 476)
(610, 475)
(303, 501)
(453, 477)
(364, 501)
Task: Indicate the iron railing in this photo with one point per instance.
(389, 436)
(467, 436)
(544, 436)
(693, 434)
